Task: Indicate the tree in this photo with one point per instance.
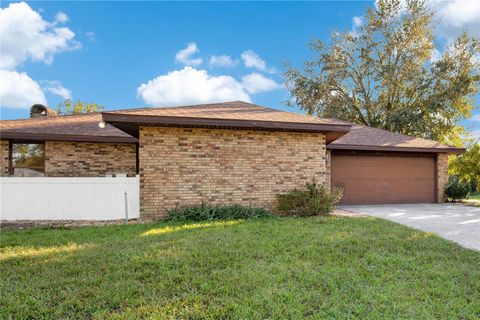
(467, 165)
(73, 107)
(383, 75)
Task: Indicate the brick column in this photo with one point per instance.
(4, 155)
(442, 175)
(328, 170)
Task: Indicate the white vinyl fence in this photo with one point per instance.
(45, 198)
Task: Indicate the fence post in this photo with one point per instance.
(126, 207)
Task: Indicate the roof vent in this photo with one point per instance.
(39, 110)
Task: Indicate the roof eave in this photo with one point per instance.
(41, 137)
(453, 150)
(125, 121)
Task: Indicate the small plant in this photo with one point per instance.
(208, 212)
(315, 199)
(457, 189)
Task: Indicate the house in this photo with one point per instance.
(232, 152)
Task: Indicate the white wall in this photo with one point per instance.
(48, 198)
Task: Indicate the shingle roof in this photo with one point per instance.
(368, 138)
(227, 115)
(234, 110)
(84, 127)
(80, 127)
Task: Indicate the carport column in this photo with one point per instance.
(442, 175)
(4, 157)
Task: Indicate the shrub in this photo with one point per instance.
(457, 189)
(207, 212)
(315, 199)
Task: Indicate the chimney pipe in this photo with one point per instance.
(39, 110)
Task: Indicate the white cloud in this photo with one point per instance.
(90, 35)
(253, 60)
(475, 134)
(255, 82)
(26, 35)
(56, 88)
(18, 90)
(222, 61)
(61, 17)
(476, 117)
(184, 56)
(454, 16)
(435, 55)
(190, 86)
(357, 22)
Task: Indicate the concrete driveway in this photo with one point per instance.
(451, 221)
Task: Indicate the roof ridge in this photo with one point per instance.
(189, 106)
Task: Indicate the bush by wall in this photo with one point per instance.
(457, 189)
(315, 199)
(207, 212)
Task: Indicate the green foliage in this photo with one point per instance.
(382, 75)
(467, 165)
(312, 268)
(205, 212)
(73, 107)
(28, 155)
(315, 199)
(457, 189)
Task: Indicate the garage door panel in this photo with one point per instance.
(362, 186)
(384, 179)
(414, 186)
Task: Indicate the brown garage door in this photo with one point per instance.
(384, 179)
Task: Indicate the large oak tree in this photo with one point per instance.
(383, 75)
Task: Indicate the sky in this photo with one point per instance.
(135, 54)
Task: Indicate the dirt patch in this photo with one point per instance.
(57, 224)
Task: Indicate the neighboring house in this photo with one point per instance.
(232, 152)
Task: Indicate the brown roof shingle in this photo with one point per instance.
(236, 114)
(226, 115)
(234, 110)
(79, 127)
(368, 138)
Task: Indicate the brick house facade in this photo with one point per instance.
(180, 166)
(82, 159)
(224, 153)
(87, 159)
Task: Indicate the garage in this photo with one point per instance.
(384, 178)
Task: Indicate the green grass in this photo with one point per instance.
(295, 268)
(475, 196)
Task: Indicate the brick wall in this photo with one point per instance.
(180, 167)
(84, 159)
(442, 175)
(328, 170)
(4, 162)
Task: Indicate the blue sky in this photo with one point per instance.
(125, 54)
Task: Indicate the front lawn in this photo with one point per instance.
(475, 196)
(291, 268)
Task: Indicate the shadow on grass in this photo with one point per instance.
(42, 244)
